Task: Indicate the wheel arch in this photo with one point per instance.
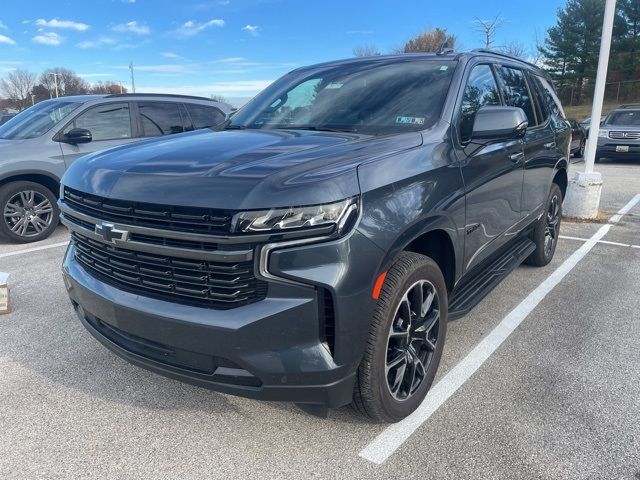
(560, 176)
(435, 237)
(40, 177)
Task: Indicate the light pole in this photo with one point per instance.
(33, 99)
(55, 81)
(121, 88)
(583, 192)
(133, 81)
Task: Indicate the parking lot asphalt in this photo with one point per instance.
(559, 398)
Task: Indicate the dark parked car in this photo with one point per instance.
(5, 117)
(578, 138)
(315, 249)
(38, 145)
(619, 134)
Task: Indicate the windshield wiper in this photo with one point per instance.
(320, 128)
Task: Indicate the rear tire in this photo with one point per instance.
(28, 212)
(405, 341)
(547, 229)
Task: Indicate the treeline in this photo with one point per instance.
(22, 88)
(571, 48)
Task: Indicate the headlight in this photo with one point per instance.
(603, 133)
(277, 219)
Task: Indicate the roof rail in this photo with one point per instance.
(502, 54)
(630, 105)
(193, 97)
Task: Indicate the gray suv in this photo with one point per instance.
(619, 134)
(38, 145)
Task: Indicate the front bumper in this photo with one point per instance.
(608, 148)
(270, 350)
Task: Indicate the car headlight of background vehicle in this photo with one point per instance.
(339, 214)
(603, 133)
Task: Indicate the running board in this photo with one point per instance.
(470, 292)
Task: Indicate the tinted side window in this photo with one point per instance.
(203, 116)
(481, 90)
(110, 121)
(516, 91)
(160, 118)
(543, 111)
(550, 98)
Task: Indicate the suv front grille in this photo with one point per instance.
(210, 284)
(151, 215)
(624, 135)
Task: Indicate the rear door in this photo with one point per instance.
(110, 125)
(539, 140)
(492, 172)
(204, 116)
(161, 118)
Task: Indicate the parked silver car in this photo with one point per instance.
(39, 144)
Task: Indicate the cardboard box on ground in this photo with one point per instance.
(5, 306)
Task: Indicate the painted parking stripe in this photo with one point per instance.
(34, 249)
(393, 436)
(606, 242)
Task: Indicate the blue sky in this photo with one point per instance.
(234, 47)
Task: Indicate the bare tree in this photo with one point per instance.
(488, 29)
(219, 98)
(365, 51)
(68, 82)
(515, 49)
(429, 41)
(107, 87)
(17, 87)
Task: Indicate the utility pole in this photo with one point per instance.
(33, 99)
(55, 80)
(119, 82)
(133, 81)
(583, 193)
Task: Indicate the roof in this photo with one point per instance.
(447, 55)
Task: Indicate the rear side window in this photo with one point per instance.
(481, 90)
(516, 92)
(551, 100)
(110, 121)
(160, 118)
(203, 116)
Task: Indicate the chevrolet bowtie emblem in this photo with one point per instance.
(111, 234)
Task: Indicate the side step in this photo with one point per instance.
(471, 292)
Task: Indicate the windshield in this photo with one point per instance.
(374, 97)
(37, 120)
(630, 117)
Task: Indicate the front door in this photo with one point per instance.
(110, 125)
(493, 173)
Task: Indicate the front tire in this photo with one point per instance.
(547, 229)
(405, 341)
(28, 212)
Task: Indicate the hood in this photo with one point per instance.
(234, 169)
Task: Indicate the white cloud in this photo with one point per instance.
(7, 40)
(95, 75)
(128, 1)
(97, 43)
(48, 38)
(360, 32)
(252, 29)
(66, 24)
(132, 27)
(3, 26)
(231, 60)
(191, 28)
(170, 55)
(240, 88)
(166, 68)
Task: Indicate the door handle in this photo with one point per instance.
(516, 157)
(550, 145)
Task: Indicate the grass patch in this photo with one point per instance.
(578, 112)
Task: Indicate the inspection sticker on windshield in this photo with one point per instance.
(410, 120)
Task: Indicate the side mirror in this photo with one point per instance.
(499, 123)
(76, 136)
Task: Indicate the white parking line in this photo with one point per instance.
(34, 249)
(606, 242)
(393, 436)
